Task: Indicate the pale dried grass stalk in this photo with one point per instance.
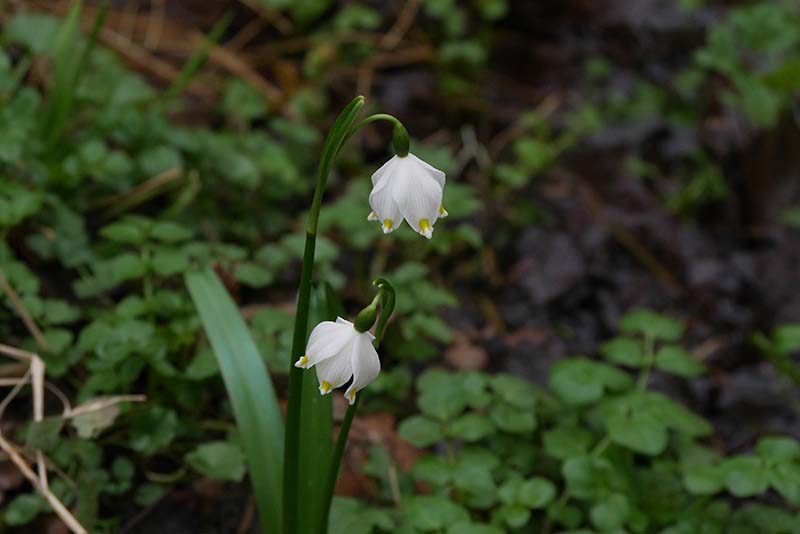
(34, 375)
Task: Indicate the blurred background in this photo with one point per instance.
(601, 156)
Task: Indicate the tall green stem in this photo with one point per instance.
(333, 143)
(344, 431)
(336, 460)
(647, 363)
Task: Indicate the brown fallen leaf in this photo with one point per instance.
(463, 354)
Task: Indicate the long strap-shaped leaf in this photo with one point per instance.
(255, 405)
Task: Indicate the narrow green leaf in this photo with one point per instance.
(198, 58)
(255, 405)
(68, 67)
(316, 425)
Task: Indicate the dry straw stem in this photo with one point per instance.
(35, 375)
(22, 311)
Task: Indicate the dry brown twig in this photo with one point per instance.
(273, 16)
(155, 24)
(22, 311)
(388, 42)
(231, 62)
(35, 375)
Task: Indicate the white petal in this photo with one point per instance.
(384, 170)
(326, 340)
(433, 171)
(419, 198)
(383, 204)
(366, 365)
(334, 372)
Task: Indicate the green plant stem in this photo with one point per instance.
(648, 362)
(198, 57)
(601, 446)
(336, 460)
(387, 303)
(400, 140)
(372, 118)
(562, 500)
(291, 458)
(333, 143)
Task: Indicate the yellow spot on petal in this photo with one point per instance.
(302, 361)
(372, 216)
(387, 225)
(442, 212)
(325, 387)
(425, 228)
(352, 395)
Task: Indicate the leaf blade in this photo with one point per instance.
(252, 395)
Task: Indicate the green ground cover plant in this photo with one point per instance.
(120, 217)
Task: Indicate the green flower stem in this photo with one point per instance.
(339, 132)
(336, 460)
(372, 118)
(601, 446)
(649, 360)
(338, 451)
(386, 297)
(400, 140)
(291, 458)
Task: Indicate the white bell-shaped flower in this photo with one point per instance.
(341, 352)
(407, 188)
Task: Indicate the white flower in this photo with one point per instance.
(407, 188)
(340, 352)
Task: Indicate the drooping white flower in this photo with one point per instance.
(407, 188)
(341, 352)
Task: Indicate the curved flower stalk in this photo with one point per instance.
(333, 367)
(340, 352)
(406, 187)
(334, 338)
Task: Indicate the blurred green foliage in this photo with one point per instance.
(597, 451)
(107, 197)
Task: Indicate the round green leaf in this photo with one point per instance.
(432, 512)
(610, 513)
(471, 427)
(676, 360)
(778, 449)
(703, 479)
(514, 390)
(640, 432)
(514, 515)
(472, 528)
(785, 478)
(565, 442)
(623, 351)
(652, 324)
(583, 381)
(219, 460)
(746, 476)
(432, 469)
(420, 431)
(511, 419)
(536, 493)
